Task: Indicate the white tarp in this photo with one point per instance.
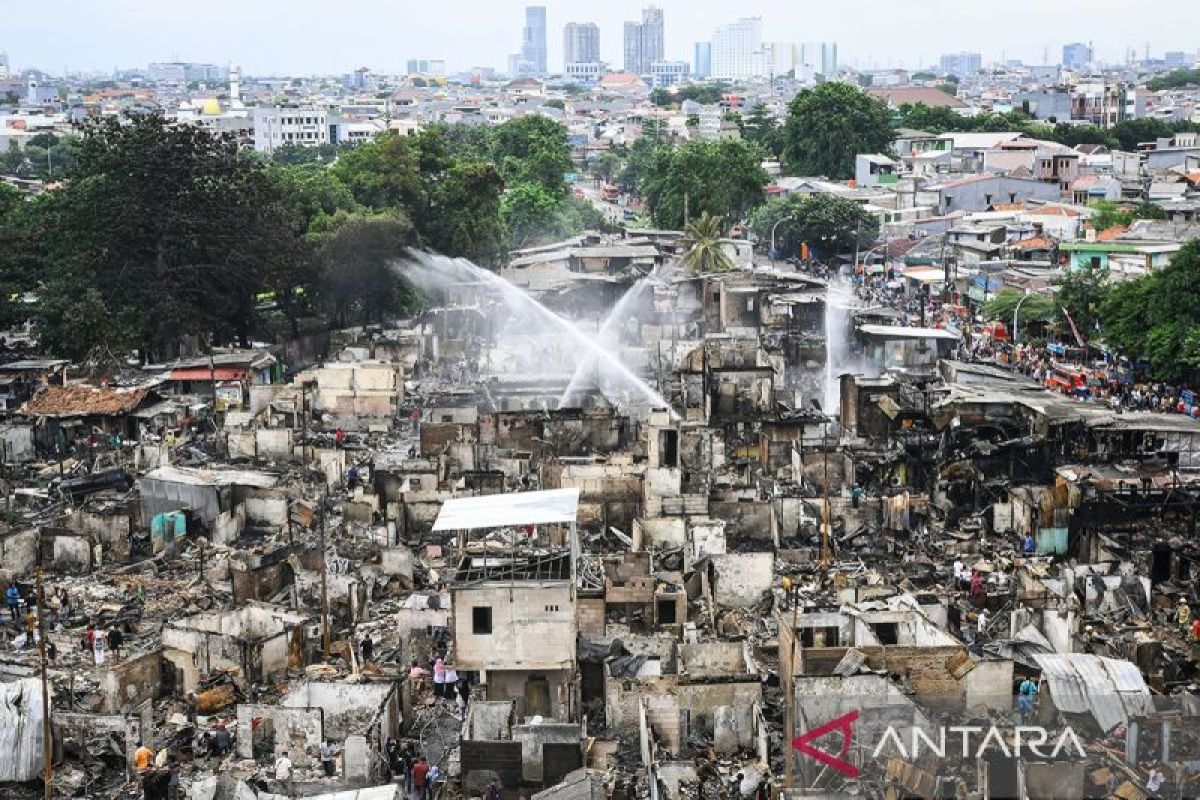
(21, 730)
(504, 510)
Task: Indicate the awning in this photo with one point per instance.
(505, 510)
(206, 374)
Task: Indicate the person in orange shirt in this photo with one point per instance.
(143, 758)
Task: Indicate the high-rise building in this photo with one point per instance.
(581, 43)
(1077, 55)
(1175, 59)
(961, 64)
(822, 57)
(644, 41)
(702, 66)
(533, 40)
(780, 58)
(737, 50)
(3, 65)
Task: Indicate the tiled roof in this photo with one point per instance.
(1111, 234)
(911, 95)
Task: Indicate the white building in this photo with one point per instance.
(587, 72)
(276, 126)
(737, 50)
(667, 73)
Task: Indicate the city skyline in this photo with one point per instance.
(108, 34)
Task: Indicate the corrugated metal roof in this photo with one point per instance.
(503, 510)
(1110, 689)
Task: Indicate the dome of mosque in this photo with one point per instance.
(210, 107)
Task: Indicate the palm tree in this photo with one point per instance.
(705, 253)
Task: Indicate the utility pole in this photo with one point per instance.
(825, 493)
(47, 739)
(324, 585)
(790, 722)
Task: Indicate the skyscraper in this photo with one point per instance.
(533, 40)
(702, 66)
(581, 43)
(822, 57)
(1076, 55)
(737, 50)
(3, 65)
(961, 64)
(644, 41)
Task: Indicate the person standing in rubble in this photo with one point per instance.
(283, 771)
(1183, 614)
(143, 757)
(30, 626)
(115, 639)
(439, 678)
(367, 649)
(339, 437)
(12, 596)
(97, 637)
(327, 763)
(977, 594)
(493, 790)
(64, 609)
(420, 779)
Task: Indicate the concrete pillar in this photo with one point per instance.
(1131, 736)
(357, 758)
(1166, 740)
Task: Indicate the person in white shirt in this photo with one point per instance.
(283, 767)
(983, 622)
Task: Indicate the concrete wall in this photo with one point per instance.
(296, 730)
(664, 693)
(533, 626)
(19, 552)
(131, 682)
(349, 708)
(741, 578)
(533, 737)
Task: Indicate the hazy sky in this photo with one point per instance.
(334, 36)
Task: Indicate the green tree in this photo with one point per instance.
(533, 149)
(723, 178)
(1176, 79)
(1081, 293)
(1075, 135)
(637, 162)
(383, 173)
(826, 222)
(171, 230)
(357, 258)
(1033, 308)
(1110, 215)
(829, 125)
(762, 129)
(463, 218)
(606, 166)
(1130, 132)
(1157, 316)
(530, 213)
(313, 191)
(705, 253)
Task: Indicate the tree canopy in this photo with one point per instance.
(163, 230)
(1157, 316)
(722, 177)
(705, 253)
(827, 223)
(829, 125)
